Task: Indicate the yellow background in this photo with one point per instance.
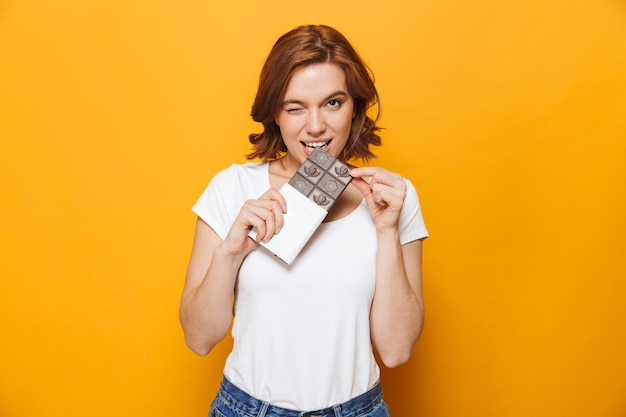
(509, 117)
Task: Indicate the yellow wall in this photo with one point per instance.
(510, 117)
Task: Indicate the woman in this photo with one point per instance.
(304, 333)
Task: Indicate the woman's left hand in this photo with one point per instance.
(384, 194)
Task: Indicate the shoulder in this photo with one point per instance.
(236, 182)
(226, 192)
(237, 172)
(247, 178)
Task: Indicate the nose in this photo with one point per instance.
(315, 122)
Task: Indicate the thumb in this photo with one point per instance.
(364, 188)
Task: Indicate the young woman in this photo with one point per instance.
(304, 334)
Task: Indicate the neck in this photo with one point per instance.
(284, 167)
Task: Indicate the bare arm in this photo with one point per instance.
(206, 302)
(397, 313)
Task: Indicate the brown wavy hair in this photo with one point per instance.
(300, 47)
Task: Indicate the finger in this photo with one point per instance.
(392, 197)
(274, 195)
(278, 207)
(267, 217)
(255, 221)
(262, 219)
(279, 218)
(379, 179)
(363, 171)
(377, 175)
(270, 226)
(362, 185)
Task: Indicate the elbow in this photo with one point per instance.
(202, 342)
(395, 359)
(198, 348)
(201, 349)
(201, 339)
(392, 355)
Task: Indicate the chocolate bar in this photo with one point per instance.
(321, 178)
(309, 194)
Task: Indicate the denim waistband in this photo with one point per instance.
(258, 408)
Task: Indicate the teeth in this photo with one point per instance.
(314, 145)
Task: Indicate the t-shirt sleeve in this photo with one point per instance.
(216, 205)
(411, 224)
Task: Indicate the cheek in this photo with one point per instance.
(345, 124)
(288, 128)
(349, 117)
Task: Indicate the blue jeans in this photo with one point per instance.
(233, 402)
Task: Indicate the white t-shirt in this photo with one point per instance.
(301, 331)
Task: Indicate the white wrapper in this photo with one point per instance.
(301, 220)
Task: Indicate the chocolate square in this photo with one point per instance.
(341, 171)
(310, 171)
(331, 185)
(301, 184)
(321, 158)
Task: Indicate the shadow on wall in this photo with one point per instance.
(401, 389)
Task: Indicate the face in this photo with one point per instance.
(317, 111)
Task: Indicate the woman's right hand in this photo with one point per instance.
(265, 214)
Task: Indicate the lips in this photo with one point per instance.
(313, 145)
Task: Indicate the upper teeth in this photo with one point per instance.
(316, 144)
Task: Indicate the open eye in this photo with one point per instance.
(335, 103)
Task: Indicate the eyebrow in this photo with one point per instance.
(330, 96)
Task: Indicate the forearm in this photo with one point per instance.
(397, 310)
(206, 310)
